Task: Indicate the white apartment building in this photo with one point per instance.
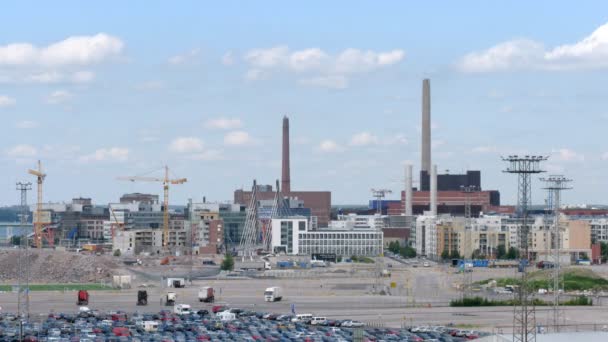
(293, 236)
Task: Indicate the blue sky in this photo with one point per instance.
(112, 89)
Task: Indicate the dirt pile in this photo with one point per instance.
(50, 266)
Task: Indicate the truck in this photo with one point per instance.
(182, 309)
(206, 294)
(83, 297)
(176, 282)
(273, 294)
(142, 297)
(252, 265)
(170, 298)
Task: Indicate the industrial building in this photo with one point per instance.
(291, 235)
(440, 193)
(319, 202)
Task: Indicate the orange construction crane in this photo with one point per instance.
(116, 224)
(38, 215)
(166, 181)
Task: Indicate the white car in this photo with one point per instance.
(426, 264)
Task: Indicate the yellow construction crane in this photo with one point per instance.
(166, 181)
(38, 215)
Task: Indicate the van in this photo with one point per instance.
(226, 316)
(302, 318)
(318, 321)
(150, 326)
(182, 309)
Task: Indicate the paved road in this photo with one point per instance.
(329, 297)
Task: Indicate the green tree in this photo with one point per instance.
(455, 255)
(501, 252)
(513, 253)
(227, 263)
(445, 255)
(15, 240)
(407, 252)
(117, 252)
(394, 247)
(604, 251)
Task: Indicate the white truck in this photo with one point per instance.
(273, 294)
(206, 294)
(252, 265)
(176, 282)
(170, 298)
(182, 309)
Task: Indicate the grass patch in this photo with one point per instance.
(61, 287)
(479, 301)
(362, 259)
(573, 280)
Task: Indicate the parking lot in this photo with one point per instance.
(224, 325)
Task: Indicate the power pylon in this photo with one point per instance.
(555, 185)
(23, 301)
(524, 314)
(467, 275)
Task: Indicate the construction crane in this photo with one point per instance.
(166, 181)
(116, 224)
(38, 215)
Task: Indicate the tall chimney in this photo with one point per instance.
(285, 179)
(434, 190)
(425, 164)
(408, 190)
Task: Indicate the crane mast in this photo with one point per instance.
(38, 215)
(166, 182)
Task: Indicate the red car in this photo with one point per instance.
(218, 308)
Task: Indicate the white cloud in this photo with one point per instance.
(59, 96)
(398, 139)
(320, 67)
(22, 151)
(44, 77)
(107, 154)
(26, 124)
(521, 53)
(224, 123)
(363, 139)
(605, 156)
(329, 146)
(308, 59)
(228, 58)
(185, 58)
(76, 50)
(236, 138)
(331, 81)
(186, 145)
(590, 52)
(267, 58)
(54, 76)
(354, 60)
(6, 101)
(567, 155)
(83, 76)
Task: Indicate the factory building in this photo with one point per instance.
(319, 202)
(441, 193)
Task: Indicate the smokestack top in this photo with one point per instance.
(285, 170)
(425, 164)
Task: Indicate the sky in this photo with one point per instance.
(114, 88)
